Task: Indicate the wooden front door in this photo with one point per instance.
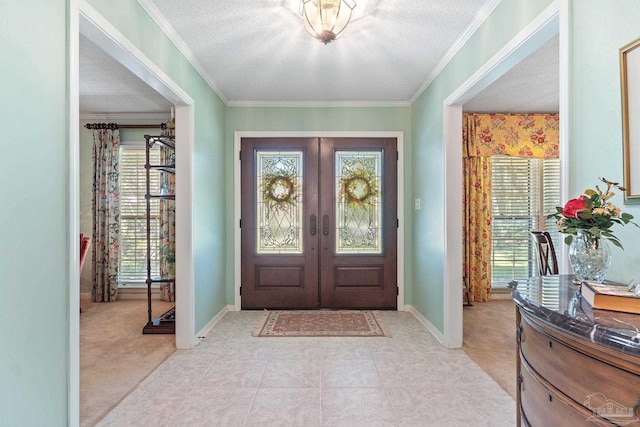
(318, 223)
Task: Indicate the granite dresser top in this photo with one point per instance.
(557, 300)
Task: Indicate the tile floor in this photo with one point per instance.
(234, 379)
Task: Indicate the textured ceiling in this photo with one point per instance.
(258, 53)
(259, 50)
(532, 86)
(108, 87)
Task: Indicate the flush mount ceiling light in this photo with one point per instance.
(326, 19)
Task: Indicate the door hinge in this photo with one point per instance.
(397, 290)
(397, 155)
(397, 222)
(240, 290)
(240, 223)
(240, 155)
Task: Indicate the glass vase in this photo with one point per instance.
(590, 257)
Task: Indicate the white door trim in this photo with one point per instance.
(237, 137)
(539, 31)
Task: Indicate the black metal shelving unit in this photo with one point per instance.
(165, 323)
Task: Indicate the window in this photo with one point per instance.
(133, 215)
(524, 191)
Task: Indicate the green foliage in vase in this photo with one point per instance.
(592, 212)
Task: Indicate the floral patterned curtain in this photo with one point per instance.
(167, 226)
(486, 135)
(106, 214)
(517, 135)
(476, 229)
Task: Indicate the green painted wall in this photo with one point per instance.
(34, 234)
(599, 28)
(427, 247)
(85, 198)
(319, 119)
(208, 167)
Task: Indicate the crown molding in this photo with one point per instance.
(478, 20)
(171, 33)
(320, 104)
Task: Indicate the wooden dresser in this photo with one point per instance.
(576, 365)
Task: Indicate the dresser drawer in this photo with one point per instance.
(543, 407)
(575, 374)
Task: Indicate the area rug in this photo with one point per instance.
(320, 323)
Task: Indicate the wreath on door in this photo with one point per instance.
(359, 187)
(280, 190)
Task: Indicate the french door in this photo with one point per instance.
(319, 223)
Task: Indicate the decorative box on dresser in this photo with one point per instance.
(576, 365)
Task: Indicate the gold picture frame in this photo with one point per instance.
(630, 80)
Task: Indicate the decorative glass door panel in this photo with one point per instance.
(279, 202)
(319, 221)
(358, 207)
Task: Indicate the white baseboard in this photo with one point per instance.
(434, 331)
(207, 328)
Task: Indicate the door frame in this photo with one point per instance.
(237, 137)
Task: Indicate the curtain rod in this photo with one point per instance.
(114, 126)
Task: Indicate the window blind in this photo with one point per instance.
(133, 215)
(523, 192)
(551, 197)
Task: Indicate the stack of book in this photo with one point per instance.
(611, 297)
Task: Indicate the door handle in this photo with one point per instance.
(313, 225)
(325, 225)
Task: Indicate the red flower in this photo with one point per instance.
(574, 207)
(487, 139)
(540, 140)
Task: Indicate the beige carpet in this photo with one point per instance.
(114, 355)
(490, 340)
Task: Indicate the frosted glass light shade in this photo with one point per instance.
(326, 19)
